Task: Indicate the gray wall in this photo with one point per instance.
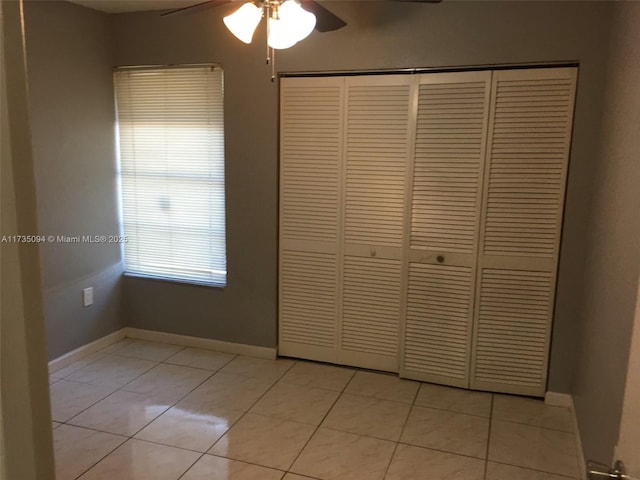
(69, 55)
(613, 253)
(379, 35)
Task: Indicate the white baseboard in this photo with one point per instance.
(162, 337)
(565, 400)
(204, 343)
(85, 350)
(558, 399)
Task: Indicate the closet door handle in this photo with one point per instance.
(373, 252)
(440, 258)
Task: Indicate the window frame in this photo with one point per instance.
(213, 182)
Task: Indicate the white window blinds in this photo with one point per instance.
(171, 134)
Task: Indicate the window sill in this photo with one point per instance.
(194, 283)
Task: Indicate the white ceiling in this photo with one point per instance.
(121, 6)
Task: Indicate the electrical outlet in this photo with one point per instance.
(87, 296)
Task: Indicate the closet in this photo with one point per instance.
(420, 220)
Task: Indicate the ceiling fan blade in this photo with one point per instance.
(194, 7)
(325, 20)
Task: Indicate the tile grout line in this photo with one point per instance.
(529, 469)
(454, 411)
(385, 400)
(393, 454)
(213, 374)
(157, 363)
(486, 459)
(202, 454)
(534, 426)
(102, 458)
(126, 437)
(190, 466)
(100, 399)
(539, 427)
(173, 404)
(109, 354)
(397, 443)
(132, 437)
(238, 420)
(117, 388)
(449, 452)
(355, 371)
(95, 354)
(115, 391)
(284, 472)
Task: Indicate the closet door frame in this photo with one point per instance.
(404, 253)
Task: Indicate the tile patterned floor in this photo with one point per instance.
(149, 411)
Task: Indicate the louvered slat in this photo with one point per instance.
(528, 151)
(310, 151)
(437, 330)
(525, 195)
(308, 290)
(449, 147)
(370, 312)
(512, 328)
(377, 138)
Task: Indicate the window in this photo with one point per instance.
(171, 135)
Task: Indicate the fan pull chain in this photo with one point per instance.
(271, 53)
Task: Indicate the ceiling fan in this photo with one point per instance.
(326, 21)
(288, 21)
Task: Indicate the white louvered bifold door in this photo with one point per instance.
(528, 151)
(377, 145)
(311, 131)
(446, 193)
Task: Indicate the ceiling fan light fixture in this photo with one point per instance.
(244, 21)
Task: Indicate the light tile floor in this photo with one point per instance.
(150, 411)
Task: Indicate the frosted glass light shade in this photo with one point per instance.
(298, 20)
(244, 21)
(294, 24)
(281, 35)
